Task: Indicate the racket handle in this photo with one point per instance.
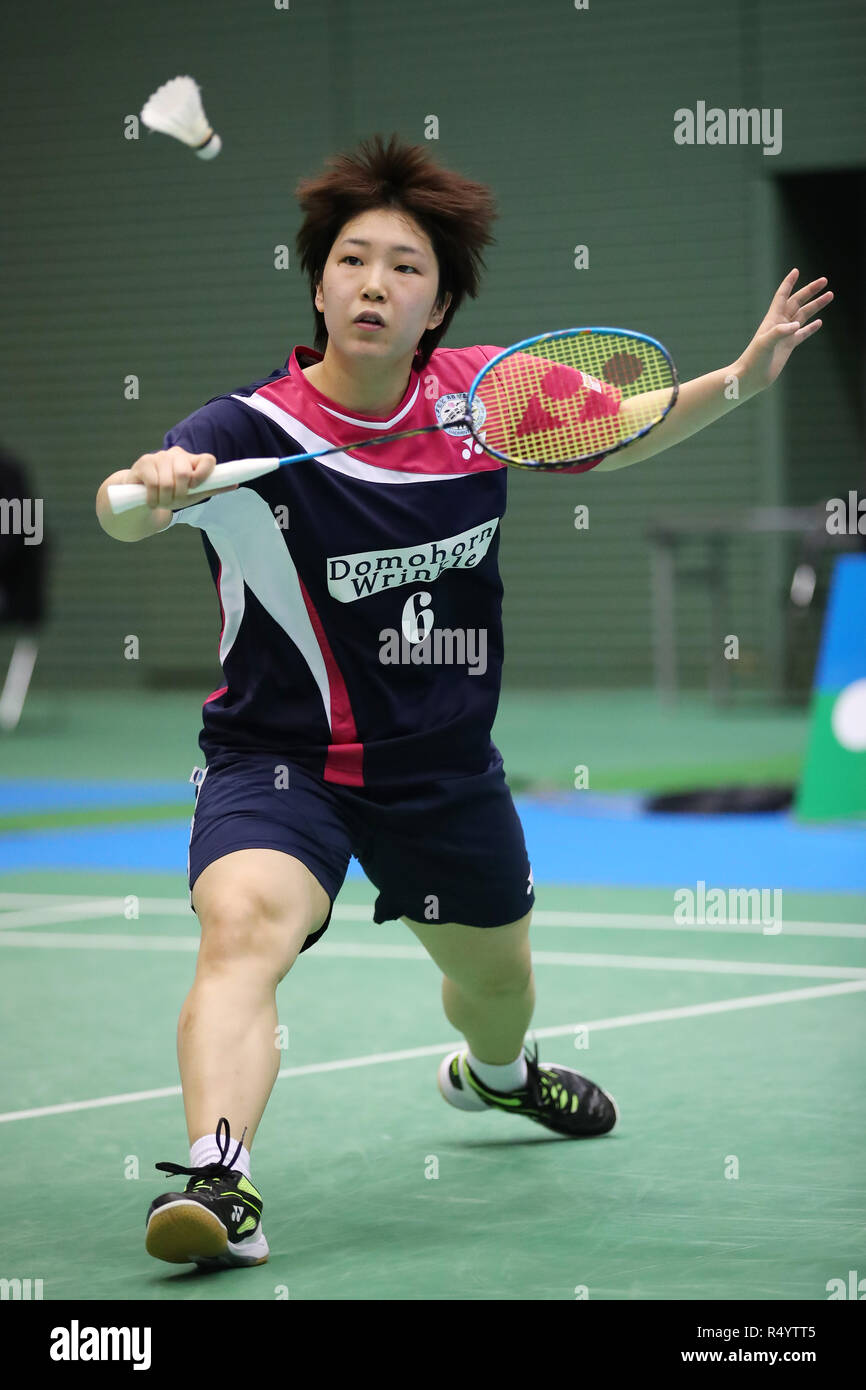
(123, 497)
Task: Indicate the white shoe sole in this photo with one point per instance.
(466, 1099)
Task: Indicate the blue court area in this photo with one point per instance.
(581, 838)
(21, 796)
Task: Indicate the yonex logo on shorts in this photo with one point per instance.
(351, 577)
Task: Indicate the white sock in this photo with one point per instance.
(511, 1077)
(206, 1150)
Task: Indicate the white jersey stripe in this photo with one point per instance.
(377, 426)
(243, 531)
(341, 462)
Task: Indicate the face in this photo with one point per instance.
(381, 264)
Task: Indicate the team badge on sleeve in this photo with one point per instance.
(453, 407)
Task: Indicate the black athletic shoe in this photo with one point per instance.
(215, 1223)
(553, 1096)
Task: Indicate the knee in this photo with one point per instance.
(244, 930)
(503, 965)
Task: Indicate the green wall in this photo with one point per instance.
(132, 257)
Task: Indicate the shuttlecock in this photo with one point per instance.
(176, 109)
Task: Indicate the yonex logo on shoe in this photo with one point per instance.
(237, 1213)
(76, 1343)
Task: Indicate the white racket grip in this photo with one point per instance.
(123, 497)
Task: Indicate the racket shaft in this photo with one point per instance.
(123, 497)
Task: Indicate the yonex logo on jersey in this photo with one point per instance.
(351, 577)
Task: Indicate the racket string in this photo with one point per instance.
(570, 398)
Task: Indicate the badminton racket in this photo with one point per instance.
(565, 399)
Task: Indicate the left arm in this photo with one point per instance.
(703, 400)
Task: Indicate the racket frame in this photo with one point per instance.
(558, 334)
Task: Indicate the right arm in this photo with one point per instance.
(168, 476)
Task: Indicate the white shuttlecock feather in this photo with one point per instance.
(176, 109)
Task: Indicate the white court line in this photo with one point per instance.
(63, 912)
(754, 1001)
(368, 951)
(65, 907)
(633, 921)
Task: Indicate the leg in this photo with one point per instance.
(488, 988)
(256, 908)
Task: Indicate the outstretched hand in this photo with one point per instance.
(782, 330)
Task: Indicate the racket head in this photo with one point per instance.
(556, 400)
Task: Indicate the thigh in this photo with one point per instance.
(479, 959)
(254, 832)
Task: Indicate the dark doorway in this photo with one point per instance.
(822, 219)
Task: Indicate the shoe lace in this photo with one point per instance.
(550, 1087)
(210, 1170)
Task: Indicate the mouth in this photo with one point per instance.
(370, 320)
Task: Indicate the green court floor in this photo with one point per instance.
(735, 1058)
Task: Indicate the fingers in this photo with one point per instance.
(787, 286)
(806, 291)
(803, 333)
(168, 475)
(803, 293)
(808, 311)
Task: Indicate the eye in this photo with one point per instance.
(350, 258)
(414, 269)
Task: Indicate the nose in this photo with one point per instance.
(373, 283)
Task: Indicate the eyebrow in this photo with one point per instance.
(359, 241)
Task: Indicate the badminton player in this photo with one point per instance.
(336, 731)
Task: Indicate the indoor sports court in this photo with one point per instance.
(682, 718)
(716, 1040)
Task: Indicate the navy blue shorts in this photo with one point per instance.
(453, 852)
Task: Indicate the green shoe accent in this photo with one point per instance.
(245, 1186)
(248, 1225)
(494, 1098)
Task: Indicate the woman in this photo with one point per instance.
(336, 733)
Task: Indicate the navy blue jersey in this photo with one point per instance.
(360, 593)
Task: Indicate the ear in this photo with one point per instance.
(438, 314)
(320, 299)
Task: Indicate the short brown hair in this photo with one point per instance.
(454, 212)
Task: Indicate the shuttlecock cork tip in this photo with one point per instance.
(211, 149)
